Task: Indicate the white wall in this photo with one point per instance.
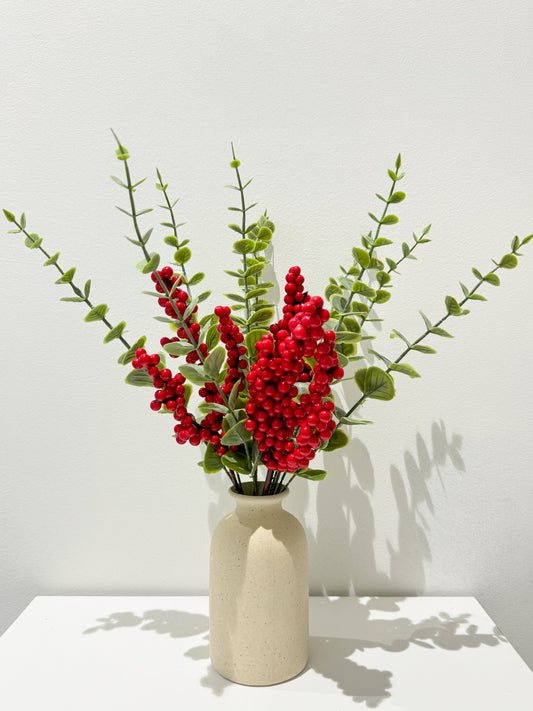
(436, 496)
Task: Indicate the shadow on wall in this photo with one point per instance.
(346, 530)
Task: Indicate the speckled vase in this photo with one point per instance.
(258, 592)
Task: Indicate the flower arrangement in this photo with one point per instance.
(266, 396)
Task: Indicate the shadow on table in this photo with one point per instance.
(335, 638)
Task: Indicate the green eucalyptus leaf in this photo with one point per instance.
(139, 378)
(212, 463)
(152, 264)
(171, 240)
(491, 278)
(312, 474)
(397, 197)
(405, 369)
(115, 332)
(382, 296)
(237, 461)
(235, 228)
(203, 296)
(196, 278)
(194, 373)
(129, 355)
(509, 261)
(178, 348)
(97, 313)
(338, 439)
(362, 256)
(361, 288)
(51, 260)
(389, 220)
(440, 332)
(67, 277)
(214, 361)
(244, 246)
(375, 383)
(182, 255)
(423, 349)
(452, 306)
(10, 217)
(260, 316)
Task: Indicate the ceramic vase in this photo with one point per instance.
(258, 592)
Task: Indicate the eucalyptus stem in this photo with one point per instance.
(426, 333)
(166, 291)
(407, 254)
(174, 227)
(79, 293)
(243, 233)
(371, 250)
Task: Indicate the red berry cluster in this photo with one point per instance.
(275, 416)
(180, 297)
(232, 338)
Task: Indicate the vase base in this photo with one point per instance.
(245, 680)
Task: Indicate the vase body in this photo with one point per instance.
(258, 592)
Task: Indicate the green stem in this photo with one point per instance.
(364, 269)
(174, 229)
(426, 333)
(243, 233)
(77, 291)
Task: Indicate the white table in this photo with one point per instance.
(151, 653)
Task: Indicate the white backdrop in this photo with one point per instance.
(436, 496)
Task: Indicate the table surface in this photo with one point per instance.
(152, 653)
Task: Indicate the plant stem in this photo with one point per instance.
(426, 333)
(243, 233)
(364, 269)
(174, 229)
(76, 290)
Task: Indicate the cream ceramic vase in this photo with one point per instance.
(258, 592)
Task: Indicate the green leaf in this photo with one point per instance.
(337, 440)
(392, 175)
(380, 356)
(361, 256)
(139, 378)
(392, 264)
(375, 383)
(382, 296)
(396, 334)
(440, 332)
(212, 463)
(509, 261)
(452, 306)
(236, 435)
(171, 240)
(237, 461)
(72, 298)
(477, 297)
(361, 288)
(212, 337)
(423, 349)
(260, 316)
(312, 474)
(10, 217)
(152, 264)
(244, 246)
(194, 373)
(196, 278)
(188, 392)
(235, 228)
(347, 337)
(477, 274)
(203, 296)
(129, 355)
(234, 395)
(115, 332)
(251, 339)
(97, 313)
(397, 197)
(252, 269)
(256, 293)
(491, 278)
(190, 308)
(214, 361)
(182, 255)
(23, 221)
(236, 297)
(205, 408)
(405, 369)
(389, 220)
(51, 260)
(87, 288)
(118, 181)
(67, 277)
(178, 348)
(382, 242)
(526, 240)
(350, 421)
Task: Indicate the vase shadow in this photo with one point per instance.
(341, 631)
